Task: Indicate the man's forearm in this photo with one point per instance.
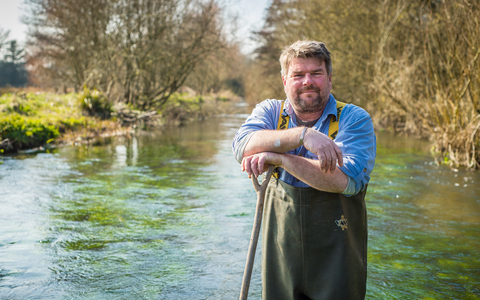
(308, 171)
(278, 141)
(281, 141)
(304, 169)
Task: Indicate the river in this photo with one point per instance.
(168, 215)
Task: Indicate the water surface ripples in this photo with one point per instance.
(168, 215)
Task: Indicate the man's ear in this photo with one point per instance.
(284, 84)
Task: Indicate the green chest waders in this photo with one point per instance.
(314, 244)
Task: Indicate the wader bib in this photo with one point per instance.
(314, 243)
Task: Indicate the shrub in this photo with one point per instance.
(20, 107)
(26, 133)
(180, 108)
(94, 103)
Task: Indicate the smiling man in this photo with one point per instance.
(314, 239)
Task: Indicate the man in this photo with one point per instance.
(314, 239)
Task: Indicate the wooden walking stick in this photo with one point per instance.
(260, 189)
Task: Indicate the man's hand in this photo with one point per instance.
(327, 151)
(258, 163)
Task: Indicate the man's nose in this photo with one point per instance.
(307, 80)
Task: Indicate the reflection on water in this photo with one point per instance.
(168, 215)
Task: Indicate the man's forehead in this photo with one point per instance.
(299, 64)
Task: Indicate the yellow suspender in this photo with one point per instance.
(332, 128)
(283, 120)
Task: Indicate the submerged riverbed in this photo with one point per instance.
(168, 215)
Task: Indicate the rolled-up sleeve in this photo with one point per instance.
(263, 117)
(356, 139)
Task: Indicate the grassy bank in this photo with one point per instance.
(42, 120)
(38, 119)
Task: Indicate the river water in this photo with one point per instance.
(168, 215)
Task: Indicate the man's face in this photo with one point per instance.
(307, 85)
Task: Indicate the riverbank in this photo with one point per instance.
(37, 120)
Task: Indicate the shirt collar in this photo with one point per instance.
(331, 108)
(287, 108)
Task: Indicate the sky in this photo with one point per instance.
(250, 14)
(10, 19)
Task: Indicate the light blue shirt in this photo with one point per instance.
(356, 139)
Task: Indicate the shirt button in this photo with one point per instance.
(364, 169)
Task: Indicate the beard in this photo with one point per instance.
(310, 104)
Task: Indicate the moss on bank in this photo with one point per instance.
(40, 119)
(30, 120)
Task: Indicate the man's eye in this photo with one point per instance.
(297, 75)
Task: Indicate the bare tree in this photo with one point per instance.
(224, 71)
(427, 74)
(413, 64)
(3, 38)
(349, 28)
(138, 51)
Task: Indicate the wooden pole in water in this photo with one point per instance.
(261, 190)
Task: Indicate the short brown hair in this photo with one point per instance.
(306, 49)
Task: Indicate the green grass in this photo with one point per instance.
(30, 120)
(33, 119)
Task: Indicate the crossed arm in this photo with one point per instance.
(267, 147)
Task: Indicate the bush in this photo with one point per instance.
(180, 108)
(26, 133)
(94, 103)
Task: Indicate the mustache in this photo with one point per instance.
(308, 88)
